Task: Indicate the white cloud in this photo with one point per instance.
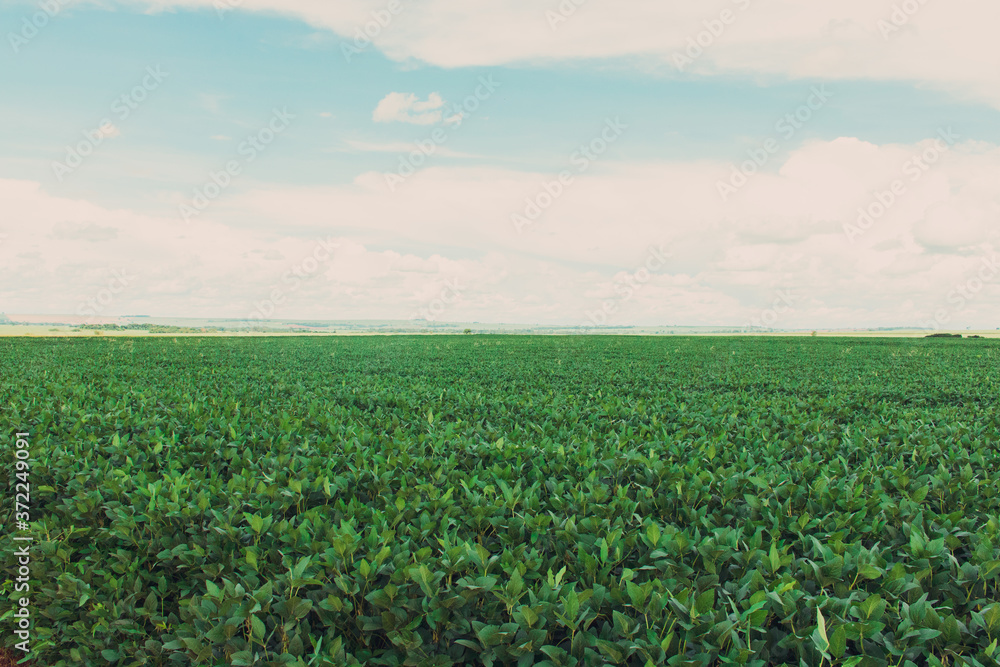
(957, 224)
(950, 45)
(108, 130)
(783, 231)
(407, 108)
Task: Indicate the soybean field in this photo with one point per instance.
(504, 500)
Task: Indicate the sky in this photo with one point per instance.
(765, 163)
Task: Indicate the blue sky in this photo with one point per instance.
(223, 77)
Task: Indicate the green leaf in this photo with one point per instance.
(653, 534)
(470, 644)
(264, 593)
(516, 585)
(622, 624)
(838, 641)
(612, 652)
(636, 595)
(300, 567)
(991, 616)
(571, 603)
(556, 653)
(241, 659)
(257, 628)
(775, 558)
(819, 634)
(704, 602)
(934, 547)
(489, 635)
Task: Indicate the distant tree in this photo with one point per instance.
(468, 331)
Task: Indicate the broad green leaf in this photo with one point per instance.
(611, 651)
(705, 601)
(838, 641)
(653, 534)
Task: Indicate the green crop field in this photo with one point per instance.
(503, 500)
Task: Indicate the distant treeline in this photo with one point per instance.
(948, 335)
(151, 328)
